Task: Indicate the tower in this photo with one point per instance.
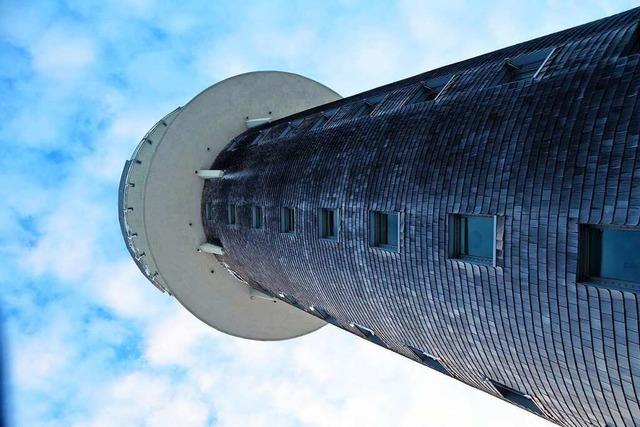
(482, 218)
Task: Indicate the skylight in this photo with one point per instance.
(525, 66)
(429, 360)
(517, 398)
(429, 89)
(368, 334)
(368, 106)
(290, 126)
(260, 136)
(325, 116)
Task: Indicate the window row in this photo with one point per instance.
(608, 256)
(510, 394)
(522, 67)
(384, 226)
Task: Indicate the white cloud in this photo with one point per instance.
(42, 357)
(69, 244)
(22, 22)
(114, 146)
(503, 27)
(327, 378)
(62, 55)
(121, 288)
(149, 399)
(174, 339)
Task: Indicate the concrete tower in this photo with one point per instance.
(482, 218)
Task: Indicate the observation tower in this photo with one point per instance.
(482, 218)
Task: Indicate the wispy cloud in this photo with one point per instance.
(90, 342)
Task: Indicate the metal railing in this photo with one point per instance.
(130, 207)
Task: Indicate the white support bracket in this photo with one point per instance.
(209, 248)
(209, 173)
(251, 123)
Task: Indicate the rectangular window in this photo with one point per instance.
(430, 89)
(384, 230)
(524, 66)
(231, 214)
(329, 223)
(517, 398)
(609, 256)
(287, 220)
(472, 238)
(257, 217)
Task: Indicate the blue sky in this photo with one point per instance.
(89, 341)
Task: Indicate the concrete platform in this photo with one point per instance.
(160, 202)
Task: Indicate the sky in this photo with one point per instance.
(88, 341)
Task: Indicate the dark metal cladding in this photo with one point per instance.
(544, 153)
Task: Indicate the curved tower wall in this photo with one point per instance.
(543, 155)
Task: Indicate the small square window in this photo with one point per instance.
(384, 230)
(287, 220)
(257, 217)
(609, 256)
(208, 211)
(517, 398)
(429, 89)
(472, 238)
(329, 223)
(524, 66)
(231, 214)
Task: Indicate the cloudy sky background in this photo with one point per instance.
(88, 341)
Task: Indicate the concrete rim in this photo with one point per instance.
(166, 198)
